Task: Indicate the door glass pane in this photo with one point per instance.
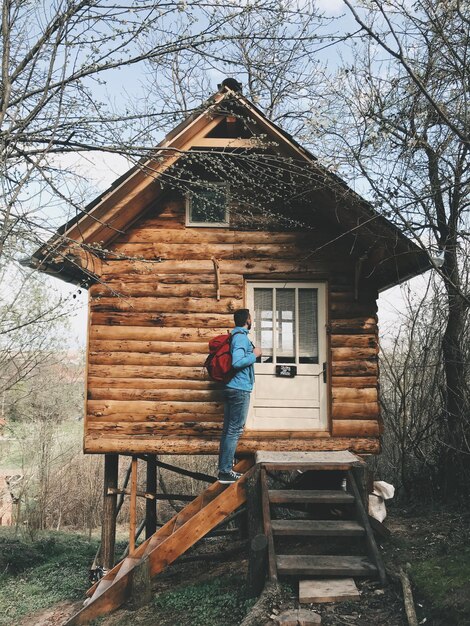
(263, 322)
(285, 317)
(308, 326)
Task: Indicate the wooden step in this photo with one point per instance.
(317, 528)
(304, 496)
(324, 565)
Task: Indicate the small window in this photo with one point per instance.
(208, 207)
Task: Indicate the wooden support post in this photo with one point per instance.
(257, 566)
(140, 585)
(257, 561)
(108, 529)
(151, 505)
(133, 507)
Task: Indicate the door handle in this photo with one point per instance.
(324, 371)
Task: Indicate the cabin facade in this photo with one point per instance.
(228, 213)
(231, 213)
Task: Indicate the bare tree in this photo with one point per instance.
(399, 116)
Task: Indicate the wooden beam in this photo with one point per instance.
(151, 505)
(227, 142)
(108, 528)
(133, 506)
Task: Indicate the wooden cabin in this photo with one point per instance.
(231, 212)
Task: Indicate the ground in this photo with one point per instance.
(44, 581)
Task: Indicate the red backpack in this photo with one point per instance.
(219, 362)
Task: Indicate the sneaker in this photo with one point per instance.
(227, 478)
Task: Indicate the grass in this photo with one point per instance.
(218, 601)
(37, 574)
(444, 583)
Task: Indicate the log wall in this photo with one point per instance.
(152, 316)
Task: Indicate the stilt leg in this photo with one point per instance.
(151, 505)
(108, 529)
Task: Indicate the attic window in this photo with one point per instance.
(208, 207)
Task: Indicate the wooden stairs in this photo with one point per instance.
(369, 563)
(192, 523)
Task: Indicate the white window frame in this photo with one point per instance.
(306, 368)
(224, 224)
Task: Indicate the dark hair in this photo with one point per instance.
(241, 317)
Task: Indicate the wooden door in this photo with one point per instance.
(289, 325)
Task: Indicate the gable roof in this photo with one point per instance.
(71, 253)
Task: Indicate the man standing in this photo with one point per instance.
(237, 394)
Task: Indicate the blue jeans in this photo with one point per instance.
(236, 407)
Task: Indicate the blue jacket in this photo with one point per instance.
(242, 360)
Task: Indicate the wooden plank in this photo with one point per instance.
(304, 496)
(339, 460)
(328, 590)
(324, 565)
(363, 517)
(317, 528)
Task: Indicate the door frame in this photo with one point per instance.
(323, 341)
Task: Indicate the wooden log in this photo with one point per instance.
(353, 325)
(185, 445)
(153, 359)
(108, 528)
(167, 305)
(125, 289)
(133, 384)
(138, 234)
(353, 368)
(358, 382)
(146, 333)
(408, 598)
(117, 268)
(347, 394)
(192, 417)
(353, 354)
(148, 371)
(154, 428)
(355, 428)
(104, 407)
(163, 347)
(201, 320)
(160, 277)
(353, 341)
(350, 410)
(193, 395)
(194, 251)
